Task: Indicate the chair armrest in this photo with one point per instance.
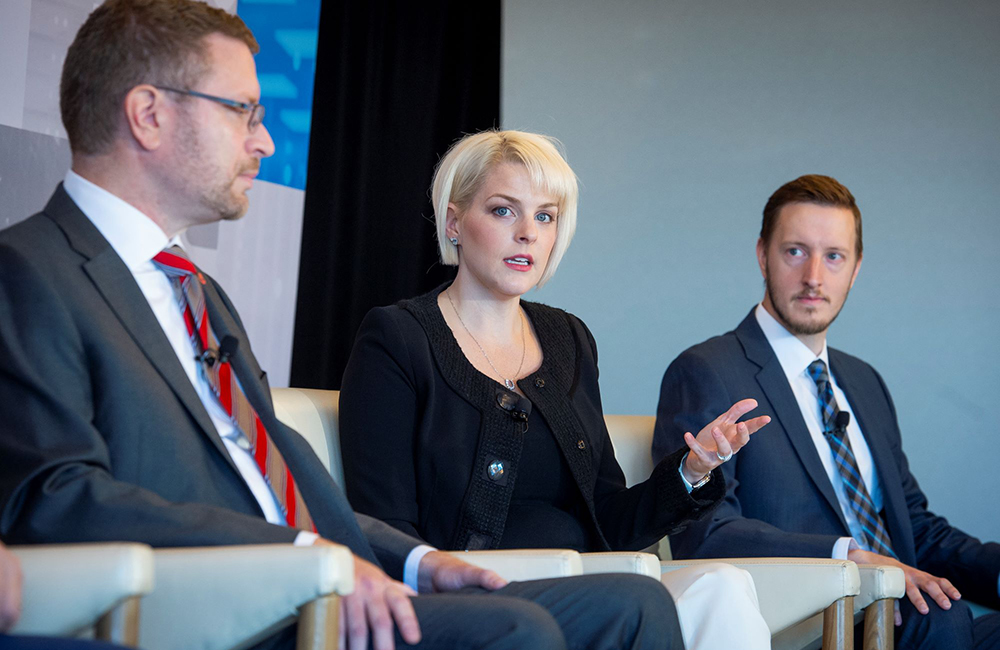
(878, 583)
(69, 587)
(980, 610)
(791, 590)
(644, 564)
(526, 564)
(222, 597)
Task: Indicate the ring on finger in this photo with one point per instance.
(723, 458)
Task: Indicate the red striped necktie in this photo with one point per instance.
(187, 281)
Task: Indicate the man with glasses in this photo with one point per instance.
(133, 408)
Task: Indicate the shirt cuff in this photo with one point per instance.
(413, 564)
(842, 547)
(305, 538)
(680, 470)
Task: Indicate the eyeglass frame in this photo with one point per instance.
(256, 110)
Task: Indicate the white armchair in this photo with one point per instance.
(226, 597)
(72, 588)
(526, 564)
(804, 601)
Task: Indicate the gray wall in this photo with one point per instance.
(682, 116)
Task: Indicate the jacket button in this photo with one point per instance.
(540, 383)
(580, 444)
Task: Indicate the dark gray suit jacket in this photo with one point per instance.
(780, 501)
(103, 437)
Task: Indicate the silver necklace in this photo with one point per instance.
(509, 383)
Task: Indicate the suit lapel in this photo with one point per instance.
(326, 501)
(774, 384)
(249, 375)
(118, 288)
(243, 363)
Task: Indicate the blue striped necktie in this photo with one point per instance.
(876, 535)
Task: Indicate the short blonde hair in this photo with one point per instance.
(462, 171)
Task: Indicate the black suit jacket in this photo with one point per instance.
(420, 426)
(103, 437)
(780, 501)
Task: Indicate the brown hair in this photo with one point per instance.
(811, 188)
(124, 43)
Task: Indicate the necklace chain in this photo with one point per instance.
(509, 383)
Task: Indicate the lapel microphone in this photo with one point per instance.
(519, 407)
(227, 348)
(841, 422)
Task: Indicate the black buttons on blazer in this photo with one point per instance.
(540, 383)
(580, 444)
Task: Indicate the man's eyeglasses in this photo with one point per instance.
(256, 111)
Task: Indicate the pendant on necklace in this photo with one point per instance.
(509, 383)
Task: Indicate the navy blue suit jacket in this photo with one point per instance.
(780, 501)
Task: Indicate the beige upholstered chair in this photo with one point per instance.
(313, 413)
(824, 611)
(226, 597)
(526, 564)
(217, 598)
(75, 588)
(791, 590)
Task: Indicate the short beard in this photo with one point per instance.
(804, 329)
(220, 199)
(228, 211)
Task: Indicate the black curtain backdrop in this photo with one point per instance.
(396, 83)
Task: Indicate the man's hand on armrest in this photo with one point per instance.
(444, 572)
(10, 589)
(378, 604)
(939, 589)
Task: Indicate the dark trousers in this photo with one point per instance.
(594, 612)
(952, 629)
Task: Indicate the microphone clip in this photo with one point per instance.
(518, 407)
(208, 357)
(211, 356)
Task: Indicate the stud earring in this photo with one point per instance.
(453, 240)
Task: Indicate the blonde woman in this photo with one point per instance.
(472, 418)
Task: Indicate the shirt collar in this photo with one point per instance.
(132, 235)
(793, 355)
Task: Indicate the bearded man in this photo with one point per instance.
(829, 478)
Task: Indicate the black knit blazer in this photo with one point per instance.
(420, 428)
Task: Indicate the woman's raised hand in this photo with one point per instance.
(720, 439)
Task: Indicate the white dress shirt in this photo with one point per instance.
(137, 239)
(795, 357)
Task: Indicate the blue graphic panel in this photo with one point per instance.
(287, 31)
